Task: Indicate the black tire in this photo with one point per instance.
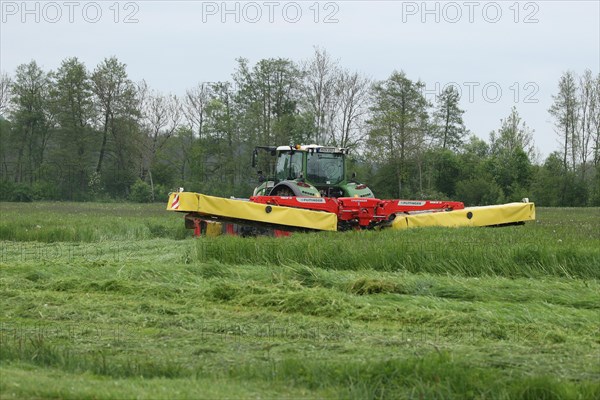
(282, 190)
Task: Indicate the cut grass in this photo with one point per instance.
(56, 384)
(283, 318)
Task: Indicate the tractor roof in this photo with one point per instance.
(314, 148)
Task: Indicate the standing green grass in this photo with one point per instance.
(87, 222)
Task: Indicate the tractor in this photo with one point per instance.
(307, 190)
(307, 171)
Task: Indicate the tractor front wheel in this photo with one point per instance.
(282, 191)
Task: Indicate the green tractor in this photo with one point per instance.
(310, 171)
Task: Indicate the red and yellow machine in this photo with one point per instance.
(307, 190)
(278, 214)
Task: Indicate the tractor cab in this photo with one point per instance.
(311, 170)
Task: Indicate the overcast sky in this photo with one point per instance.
(500, 54)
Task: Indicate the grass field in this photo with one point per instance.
(119, 301)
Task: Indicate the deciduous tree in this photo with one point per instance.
(160, 118)
(115, 99)
(564, 112)
(72, 103)
(352, 92)
(5, 93)
(322, 89)
(31, 117)
(399, 123)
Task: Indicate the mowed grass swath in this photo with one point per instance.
(119, 301)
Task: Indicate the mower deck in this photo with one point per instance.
(328, 214)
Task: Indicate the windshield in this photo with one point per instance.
(325, 168)
(289, 166)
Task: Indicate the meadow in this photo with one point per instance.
(113, 301)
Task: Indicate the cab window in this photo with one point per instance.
(325, 168)
(289, 166)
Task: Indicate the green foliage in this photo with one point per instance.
(21, 192)
(479, 191)
(556, 186)
(445, 170)
(512, 172)
(382, 181)
(594, 200)
(449, 127)
(10, 191)
(140, 192)
(116, 103)
(398, 125)
(89, 134)
(73, 106)
(548, 186)
(513, 135)
(45, 191)
(163, 174)
(161, 194)
(31, 129)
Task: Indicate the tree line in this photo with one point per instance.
(87, 135)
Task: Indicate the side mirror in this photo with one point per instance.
(261, 177)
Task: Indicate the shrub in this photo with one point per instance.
(161, 193)
(44, 191)
(140, 192)
(479, 191)
(10, 191)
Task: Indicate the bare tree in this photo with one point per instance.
(564, 111)
(320, 80)
(194, 107)
(595, 119)
(5, 92)
(588, 107)
(160, 118)
(352, 92)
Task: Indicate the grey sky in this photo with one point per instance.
(520, 48)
